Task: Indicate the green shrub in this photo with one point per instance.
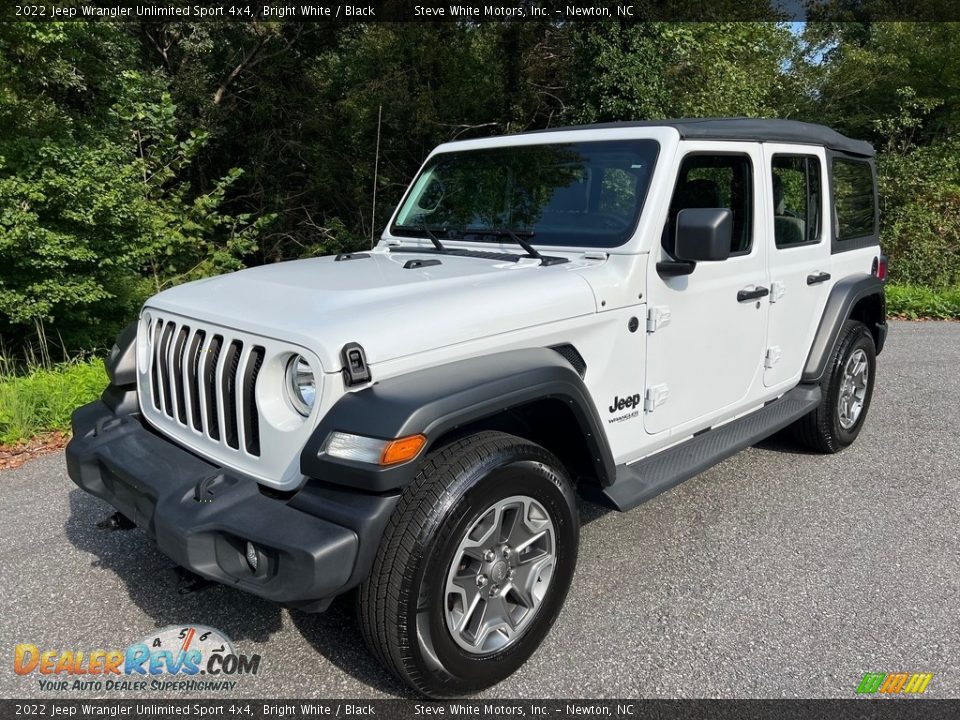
(43, 399)
(920, 212)
(916, 302)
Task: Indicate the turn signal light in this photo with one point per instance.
(374, 451)
(402, 449)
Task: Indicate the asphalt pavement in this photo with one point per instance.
(778, 573)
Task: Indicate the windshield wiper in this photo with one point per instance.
(513, 235)
(531, 250)
(433, 238)
(430, 232)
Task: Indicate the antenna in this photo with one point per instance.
(376, 167)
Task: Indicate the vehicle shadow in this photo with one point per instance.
(335, 634)
(782, 442)
(591, 511)
(151, 579)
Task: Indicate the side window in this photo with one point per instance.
(797, 201)
(853, 199)
(715, 181)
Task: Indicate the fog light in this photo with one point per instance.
(253, 557)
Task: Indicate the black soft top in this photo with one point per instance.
(749, 129)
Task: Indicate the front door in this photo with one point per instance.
(707, 330)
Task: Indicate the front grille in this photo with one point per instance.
(206, 381)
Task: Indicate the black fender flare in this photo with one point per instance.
(844, 296)
(121, 361)
(437, 400)
(120, 395)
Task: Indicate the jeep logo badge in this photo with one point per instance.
(620, 403)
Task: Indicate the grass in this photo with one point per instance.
(916, 302)
(42, 399)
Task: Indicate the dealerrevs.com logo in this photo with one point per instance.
(894, 683)
(191, 658)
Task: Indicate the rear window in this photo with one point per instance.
(854, 199)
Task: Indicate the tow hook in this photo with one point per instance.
(117, 521)
(189, 583)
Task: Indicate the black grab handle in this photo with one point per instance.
(754, 294)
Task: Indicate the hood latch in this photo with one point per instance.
(355, 368)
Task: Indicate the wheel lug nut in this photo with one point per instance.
(494, 590)
(481, 580)
(507, 552)
(489, 556)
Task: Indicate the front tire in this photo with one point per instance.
(847, 389)
(474, 565)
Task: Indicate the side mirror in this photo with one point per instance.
(704, 234)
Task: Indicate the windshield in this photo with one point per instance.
(582, 194)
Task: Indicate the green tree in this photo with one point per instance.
(95, 212)
(669, 70)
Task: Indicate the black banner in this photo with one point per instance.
(855, 709)
(550, 11)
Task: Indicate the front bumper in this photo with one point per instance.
(203, 516)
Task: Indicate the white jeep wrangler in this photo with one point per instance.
(608, 309)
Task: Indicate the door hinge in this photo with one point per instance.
(772, 357)
(656, 396)
(777, 289)
(658, 316)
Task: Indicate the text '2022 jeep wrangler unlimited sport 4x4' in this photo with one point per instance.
(610, 308)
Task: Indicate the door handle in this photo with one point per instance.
(757, 292)
(817, 277)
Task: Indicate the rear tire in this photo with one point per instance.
(847, 388)
(470, 514)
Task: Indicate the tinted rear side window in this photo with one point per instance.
(854, 199)
(796, 199)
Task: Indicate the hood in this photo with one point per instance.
(322, 304)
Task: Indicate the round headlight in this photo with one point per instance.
(301, 385)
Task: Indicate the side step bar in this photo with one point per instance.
(638, 482)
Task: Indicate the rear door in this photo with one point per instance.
(705, 342)
(797, 234)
